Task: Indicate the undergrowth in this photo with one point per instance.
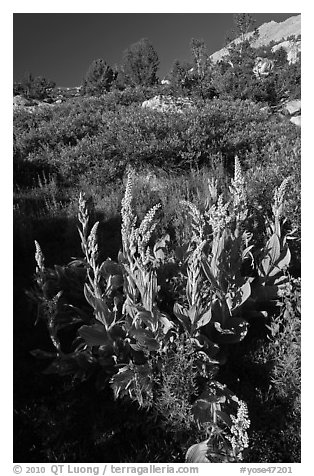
(166, 354)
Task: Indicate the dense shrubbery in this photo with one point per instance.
(88, 137)
(233, 77)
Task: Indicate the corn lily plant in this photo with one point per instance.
(124, 335)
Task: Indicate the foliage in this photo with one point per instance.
(98, 79)
(34, 88)
(140, 64)
(243, 24)
(181, 82)
(284, 345)
(87, 137)
(202, 70)
(274, 368)
(233, 75)
(125, 337)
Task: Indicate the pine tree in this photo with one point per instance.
(202, 69)
(98, 79)
(140, 64)
(181, 81)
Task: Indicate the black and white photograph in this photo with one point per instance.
(156, 241)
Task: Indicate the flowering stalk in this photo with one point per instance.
(240, 423)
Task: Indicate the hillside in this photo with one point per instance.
(268, 32)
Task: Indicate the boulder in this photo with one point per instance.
(263, 67)
(20, 101)
(296, 120)
(168, 104)
(293, 107)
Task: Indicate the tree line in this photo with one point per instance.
(232, 76)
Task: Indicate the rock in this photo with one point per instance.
(20, 101)
(168, 104)
(271, 31)
(263, 67)
(293, 107)
(296, 120)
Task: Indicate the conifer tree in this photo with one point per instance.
(98, 79)
(202, 68)
(140, 64)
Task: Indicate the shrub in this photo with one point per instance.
(125, 336)
(70, 139)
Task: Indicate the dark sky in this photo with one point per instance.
(61, 46)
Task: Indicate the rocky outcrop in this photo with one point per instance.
(293, 48)
(21, 103)
(168, 104)
(271, 31)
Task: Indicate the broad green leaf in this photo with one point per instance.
(241, 295)
(89, 296)
(101, 310)
(94, 335)
(246, 252)
(209, 273)
(148, 289)
(159, 254)
(208, 403)
(133, 382)
(41, 354)
(122, 259)
(146, 316)
(115, 281)
(273, 253)
(282, 263)
(110, 268)
(281, 280)
(197, 453)
(181, 252)
(264, 294)
(204, 319)
(166, 324)
(84, 360)
(203, 409)
(145, 338)
(225, 418)
(193, 314)
(63, 365)
(121, 381)
(182, 315)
